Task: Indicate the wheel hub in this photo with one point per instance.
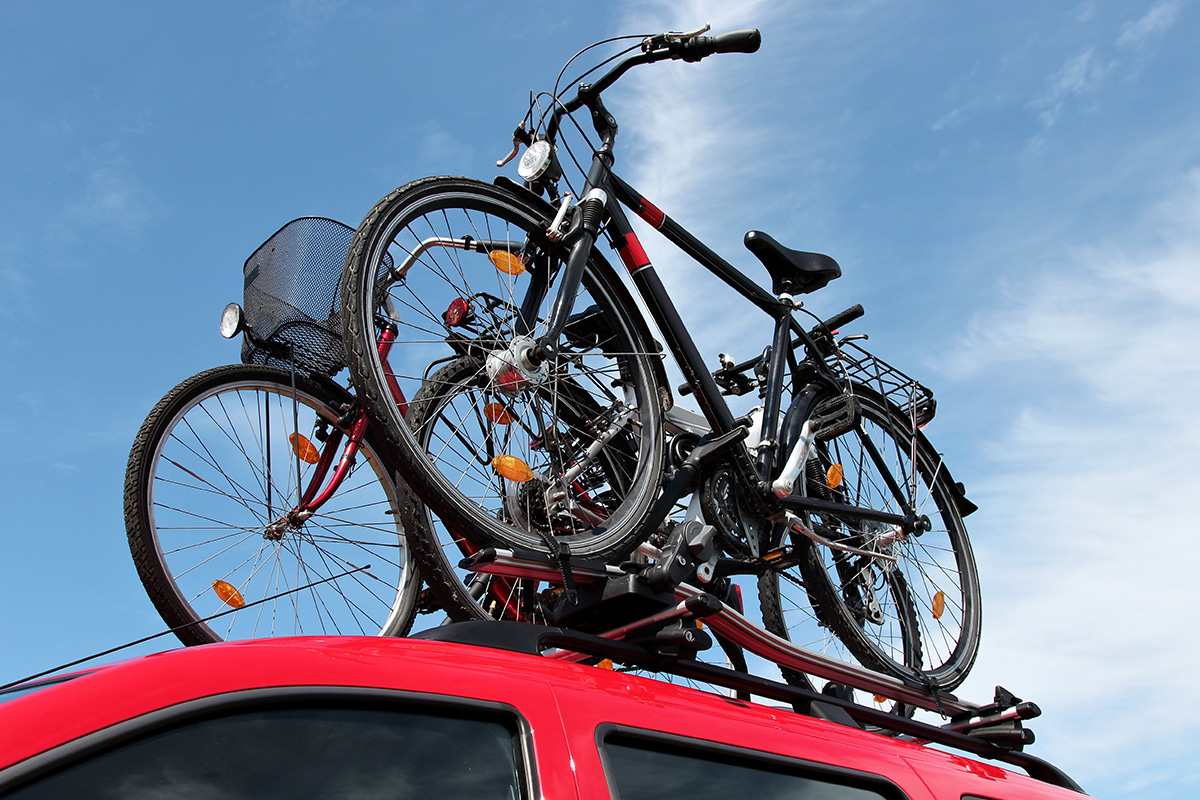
(511, 371)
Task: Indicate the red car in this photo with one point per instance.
(382, 717)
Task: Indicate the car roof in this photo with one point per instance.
(538, 688)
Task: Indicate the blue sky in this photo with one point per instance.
(1012, 190)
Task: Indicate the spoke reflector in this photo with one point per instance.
(939, 605)
(880, 698)
(506, 262)
(302, 447)
(229, 595)
(833, 476)
(605, 664)
(512, 468)
(497, 414)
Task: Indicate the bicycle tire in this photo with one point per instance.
(213, 465)
(938, 568)
(790, 612)
(478, 233)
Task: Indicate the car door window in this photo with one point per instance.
(301, 753)
(640, 769)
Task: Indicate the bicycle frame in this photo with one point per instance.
(603, 186)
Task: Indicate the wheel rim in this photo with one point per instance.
(517, 412)
(214, 512)
(936, 567)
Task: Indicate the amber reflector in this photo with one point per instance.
(512, 468)
(833, 476)
(229, 595)
(456, 314)
(497, 414)
(303, 448)
(939, 605)
(605, 664)
(880, 698)
(506, 262)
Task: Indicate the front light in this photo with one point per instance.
(233, 321)
(536, 160)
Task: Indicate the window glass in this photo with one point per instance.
(641, 770)
(299, 753)
(29, 688)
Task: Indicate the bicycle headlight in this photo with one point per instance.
(536, 161)
(233, 321)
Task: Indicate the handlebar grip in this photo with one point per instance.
(838, 320)
(744, 41)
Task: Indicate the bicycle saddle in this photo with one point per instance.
(792, 271)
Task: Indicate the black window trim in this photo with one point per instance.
(212, 706)
(868, 780)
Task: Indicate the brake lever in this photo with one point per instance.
(680, 36)
(520, 137)
(651, 43)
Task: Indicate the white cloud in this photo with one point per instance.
(1084, 537)
(1159, 18)
(1080, 76)
(113, 198)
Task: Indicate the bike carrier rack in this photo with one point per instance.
(659, 631)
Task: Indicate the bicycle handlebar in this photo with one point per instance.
(660, 48)
(743, 41)
(841, 318)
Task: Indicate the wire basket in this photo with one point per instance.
(914, 400)
(292, 295)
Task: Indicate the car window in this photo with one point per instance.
(14, 692)
(652, 770)
(301, 753)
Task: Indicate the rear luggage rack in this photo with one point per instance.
(913, 399)
(659, 631)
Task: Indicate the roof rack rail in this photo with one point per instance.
(989, 733)
(617, 614)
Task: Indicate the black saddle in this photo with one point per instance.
(792, 271)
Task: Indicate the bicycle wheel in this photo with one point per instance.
(790, 612)
(914, 595)
(461, 270)
(212, 475)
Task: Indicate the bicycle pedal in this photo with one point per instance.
(836, 416)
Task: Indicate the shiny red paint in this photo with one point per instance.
(632, 253)
(562, 703)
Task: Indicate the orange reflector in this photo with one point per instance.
(512, 468)
(506, 262)
(303, 448)
(605, 664)
(880, 698)
(833, 476)
(229, 595)
(939, 605)
(497, 414)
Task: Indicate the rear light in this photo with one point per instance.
(458, 312)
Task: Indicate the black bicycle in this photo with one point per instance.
(541, 419)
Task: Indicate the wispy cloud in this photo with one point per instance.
(113, 197)
(1082, 75)
(1085, 74)
(1159, 18)
(1084, 544)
